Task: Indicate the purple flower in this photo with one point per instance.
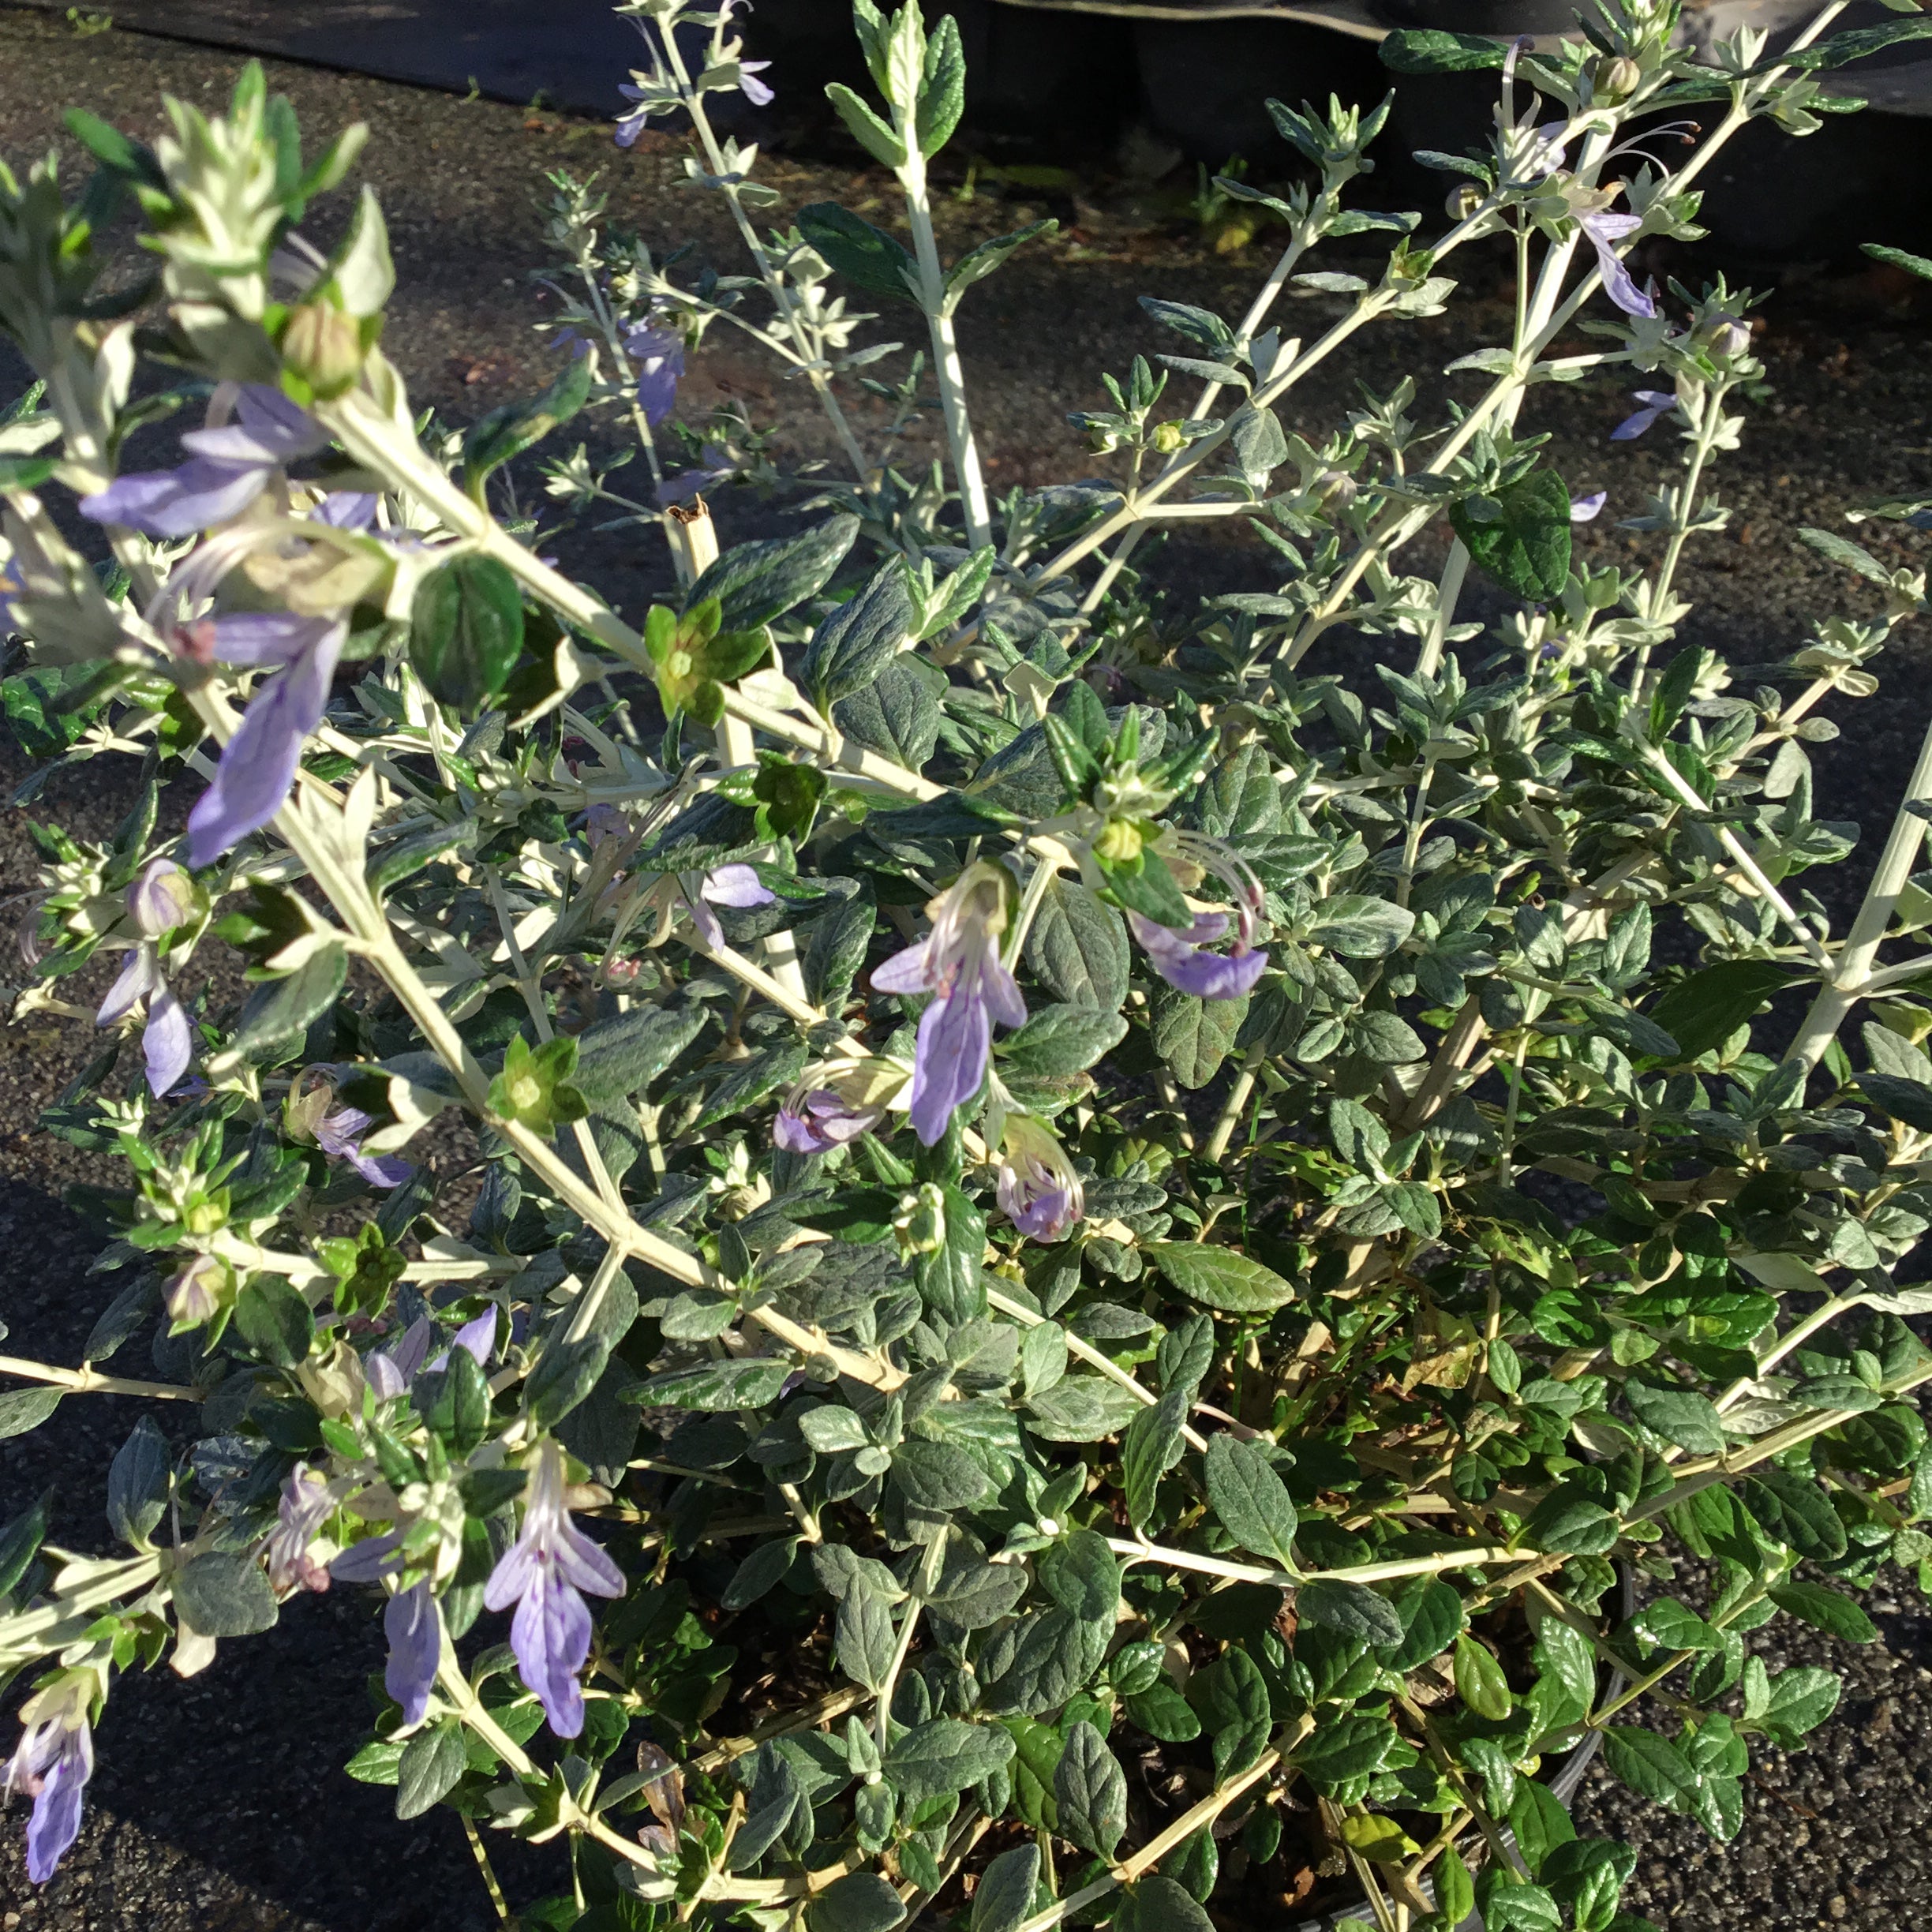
(630, 126)
(308, 1499)
(413, 1625)
(257, 769)
(52, 1764)
(715, 466)
(1655, 402)
(661, 365)
(1584, 509)
(350, 509)
(161, 899)
(227, 468)
(543, 1573)
(370, 1560)
(392, 1372)
(1177, 958)
(1604, 230)
(196, 1294)
(959, 963)
(339, 1136)
(1039, 1192)
(816, 1121)
(755, 91)
(736, 885)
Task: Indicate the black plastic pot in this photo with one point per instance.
(1205, 83)
(1569, 1774)
(1505, 19)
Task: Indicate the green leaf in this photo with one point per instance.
(1430, 50)
(1679, 1415)
(1078, 948)
(756, 584)
(1649, 1764)
(509, 431)
(1059, 1040)
(1151, 1447)
(942, 88)
(856, 643)
(1082, 1575)
(1194, 1036)
(1162, 1712)
(938, 1476)
(1480, 1682)
(454, 1401)
(1912, 264)
(1251, 1500)
(275, 1321)
(1572, 1522)
(1794, 1702)
(1091, 1790)
(1343, 1748)
(978, 262)
(1526, 548)
(137, 1484)
(1351, 1608)
(873, 135)
(1003, 1897)
(1232, 1696)
(467, 632)
(22, 1410)
(1081, 1409)
(280, 1011)
(1158, 1905)
(866, 256)
(20, 1541)
(406, 856)
(865, 1636)
(49, 706)
(1841, 49)
(945, 1755)
(618, 1057)
(1793, 1509)
(431, 1766)
(1220, 1278)
(377, 1762)
(1540, 1824)
(861, 1901)
(1358, 927)
(1702, 1011)
(1825, 1610)
(1431, 1614)
(223, 1595)
(1455, 1891)
(716, 1386)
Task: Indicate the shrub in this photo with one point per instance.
(1031, 1185)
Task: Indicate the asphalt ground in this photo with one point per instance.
(219, 1803)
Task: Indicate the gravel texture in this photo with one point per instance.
(219, 1803)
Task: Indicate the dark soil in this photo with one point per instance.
(219, 1803)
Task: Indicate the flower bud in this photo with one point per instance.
(1167, 437)
(1727, 337)
(323, 346)
(1617, 79)
(1102, 442)
(920, 1223)
(1120, 842)
(161, 899)
(1463, 202)
(334, 1383)
(196, 1295)
(1335, 489)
